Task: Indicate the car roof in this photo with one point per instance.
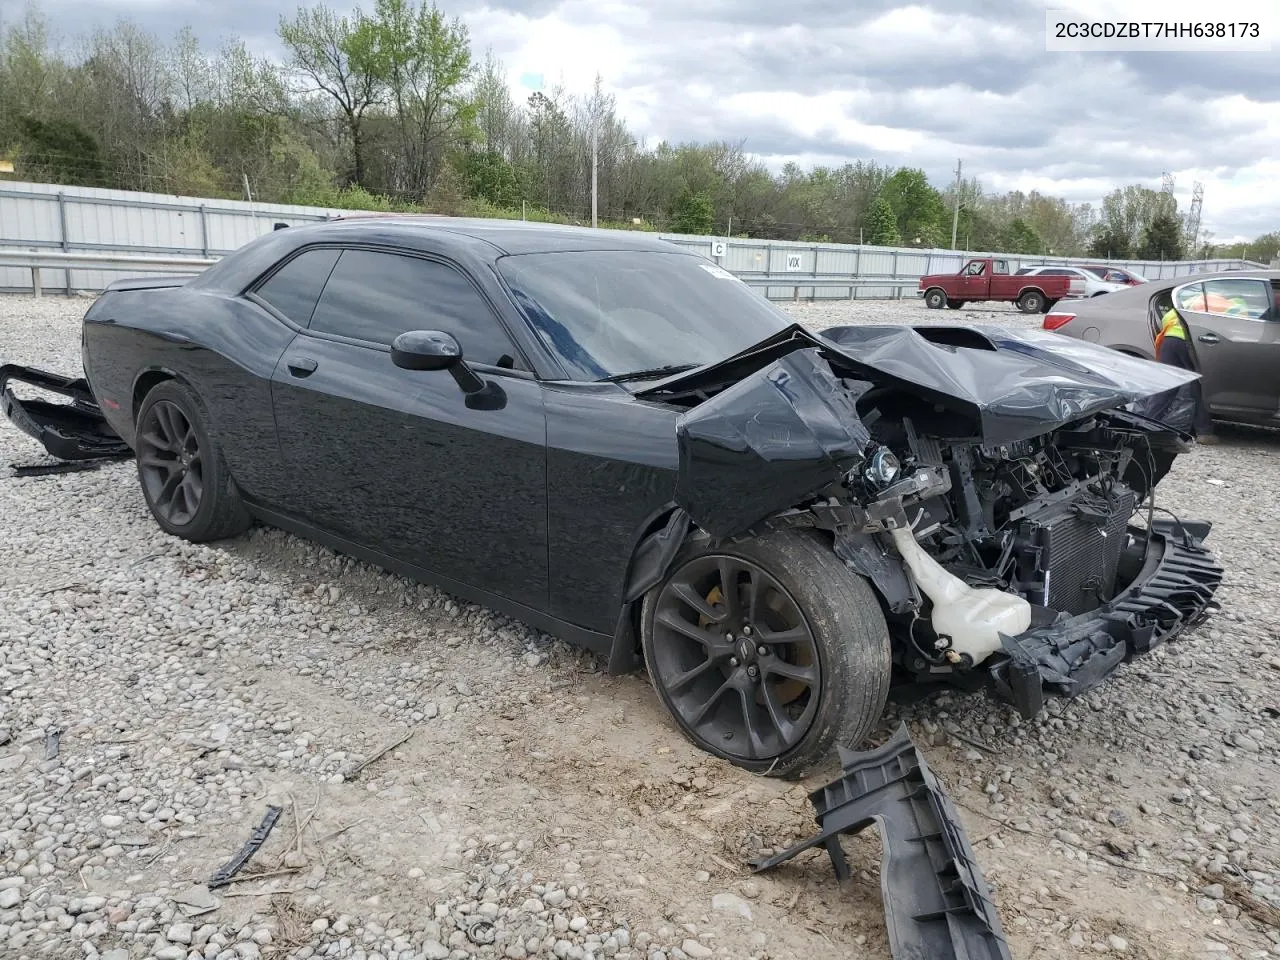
(507, 236)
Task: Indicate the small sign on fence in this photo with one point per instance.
(795, 261)
(719, 248)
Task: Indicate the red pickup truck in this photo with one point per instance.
(991, 279)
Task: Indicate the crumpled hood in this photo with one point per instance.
(1016, 383)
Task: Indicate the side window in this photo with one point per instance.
(1000, 266)
(975, 269)
(378, 296)
(1191, 297)
(1248, 299)
(295, 287)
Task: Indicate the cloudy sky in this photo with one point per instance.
(825, 81)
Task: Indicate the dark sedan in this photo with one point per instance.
(621, 443)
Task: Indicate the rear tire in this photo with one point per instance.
(778, 712)
(935, 299)
(184, 478)
(1032, 301)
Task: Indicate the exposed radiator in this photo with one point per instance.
(1080, 552)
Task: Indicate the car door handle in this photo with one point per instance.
(302, 366)
(1209, 338)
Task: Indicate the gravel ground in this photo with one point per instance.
(539, 806)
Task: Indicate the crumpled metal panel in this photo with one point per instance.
(766, 442)
(936, 901)
(1019, 383)
(1016, 384)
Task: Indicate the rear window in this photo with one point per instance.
(295, 288)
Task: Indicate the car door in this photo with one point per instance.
(397, 461)
(974, 281)
(1235, 342)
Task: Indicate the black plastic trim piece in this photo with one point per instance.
(252, 845)
(1173, 593)
(936, 901)
(68, 431)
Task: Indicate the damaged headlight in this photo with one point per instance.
(882, 469)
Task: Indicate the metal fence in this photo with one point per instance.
(48, 218)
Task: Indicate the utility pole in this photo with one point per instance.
(955, 214)
(595, 136)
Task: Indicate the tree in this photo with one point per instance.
(882, 226)
(1110, 243)
(424, 61)
(917, 207)
(1018, 237)
(61, 151)
(339, 57)
(448, 194)
(1162, 239)
(693, 213)
(490, 177)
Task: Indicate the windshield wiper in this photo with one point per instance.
(670, 368)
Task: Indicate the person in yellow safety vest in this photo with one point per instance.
(1172, 348)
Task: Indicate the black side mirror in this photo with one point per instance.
(426, 350)
(437, 350)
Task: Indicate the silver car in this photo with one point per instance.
(1094, 284)
(1234, 322)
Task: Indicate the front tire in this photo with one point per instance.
(935, 299)
(767, 651)
(955, 304)
(184, 479)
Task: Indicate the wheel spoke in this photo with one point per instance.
(780, 668)
(780, 720)
(798, 634)
(701, 713)
(668, 618)
(756, 587)
(171, 484)
(164, 417)
(156, 441)
(754, 741)
(690, 597)
(729, 570)
(190, 492)
(151, 460)
(680, 682)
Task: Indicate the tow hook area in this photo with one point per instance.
(936, 901)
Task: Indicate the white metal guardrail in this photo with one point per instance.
(59, 218)
(35, 261)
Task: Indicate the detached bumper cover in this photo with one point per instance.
(68, 431)
(1174, 592)
(937, 904)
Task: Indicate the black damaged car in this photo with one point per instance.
(622, 444)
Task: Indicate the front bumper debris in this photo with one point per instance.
(69, 431)
(1173, 593)
(937, 904)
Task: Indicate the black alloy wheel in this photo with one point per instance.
(170, 463)
(184, 478)
(736, 657)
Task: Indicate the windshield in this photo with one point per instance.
(607, 313)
